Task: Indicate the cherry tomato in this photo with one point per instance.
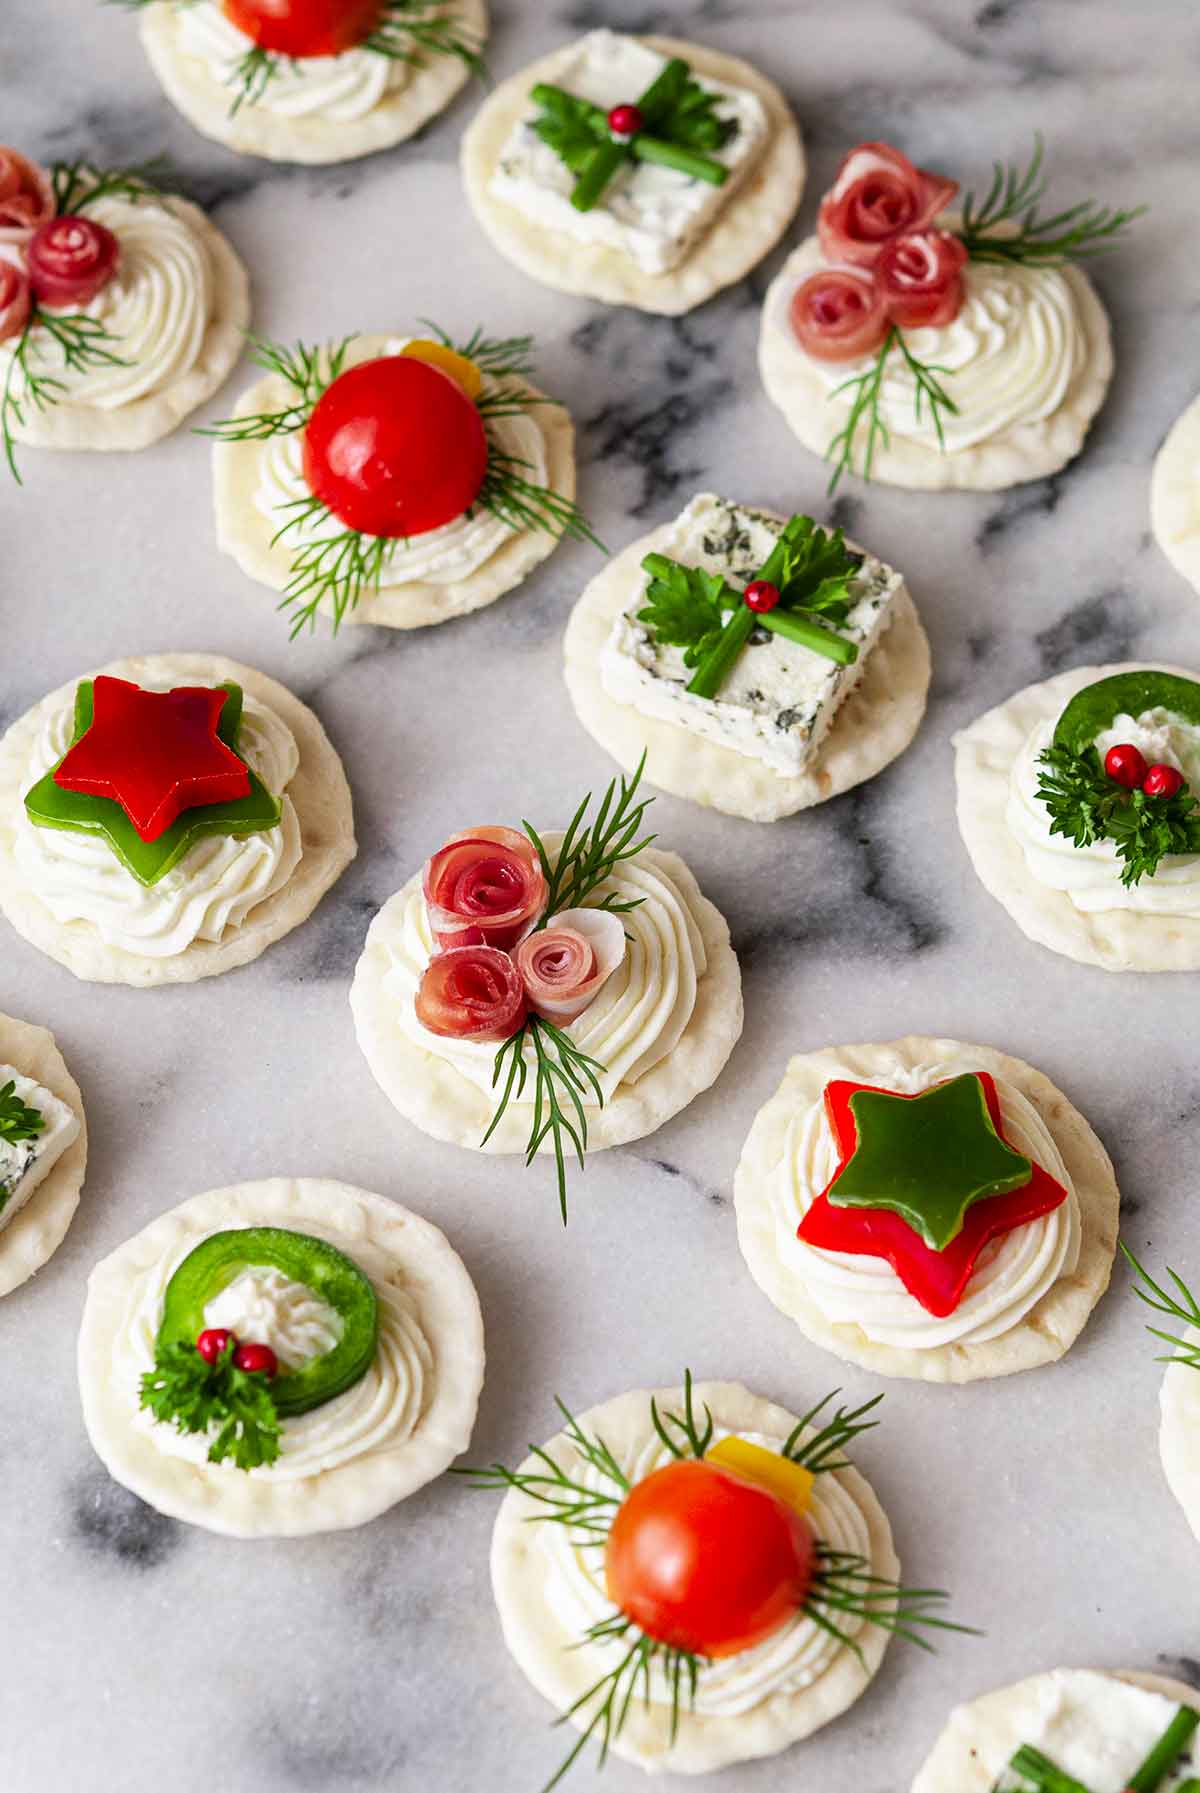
(395, 447)
(706, 1561)
(304, 27)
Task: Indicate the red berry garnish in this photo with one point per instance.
(1125, 765)
(256, 1360)
(1162, 781)
(625, 121)
(761, 595)
(212, 1341)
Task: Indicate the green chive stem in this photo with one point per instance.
(1166, 1752)
(810, 635)
(713, 670)
(673, 155)
(1041, 1772)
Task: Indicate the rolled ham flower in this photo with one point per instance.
(878, 195)
(485, 887)
(471, 993)
(70, 260)
(921, 278)
(566, 964)
(16, 300)
(838, 314)
(26, 197)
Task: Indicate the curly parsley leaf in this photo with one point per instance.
(818, 569)
(184, 1391)
(685, 606)
(1087, 806)
(571, 127)
(17, 1121)
(678, 108)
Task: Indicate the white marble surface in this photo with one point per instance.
(139, 1654)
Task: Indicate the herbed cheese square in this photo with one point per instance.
(780, 699)
(652, 214)
(25, 1163)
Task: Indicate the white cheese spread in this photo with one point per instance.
(25, 1163)
(338, 88)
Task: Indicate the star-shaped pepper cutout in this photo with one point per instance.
(925, 1182)
(153, 771)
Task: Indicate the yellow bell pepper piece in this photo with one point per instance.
(787, 1481)
(450, 361)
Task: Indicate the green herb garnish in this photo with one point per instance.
(184, 1391)
(1036, 1773)
(867, 390)
(1087, 806)
(1181, 1307)
(18, 1122)
(1005, 226)
(80, 184)
(83, 342)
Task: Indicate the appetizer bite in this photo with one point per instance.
(312, 80)
(928, 348)
(927, 1209)
(168, 818)
(1070, 1731)
(1175, 495)
(1076, 801)
(637, 170)
(760, 664)
(1179, 1433)
(280, 1358)
(121, 307)
(560, 992)
(696, 1577)
(394, 480)
(43, 1150)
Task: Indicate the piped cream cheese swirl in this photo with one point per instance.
(1010, 357)
(157, 309)
(1091, 876)
(214, 887)
(378, 1413)
(639, 1015)
(789, 1660)
(339, 88)
(1012, 1274)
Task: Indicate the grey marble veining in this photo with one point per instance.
(139, 1654)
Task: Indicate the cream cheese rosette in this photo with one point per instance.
(313, 80)
(1094, 1729)
(280, 1358)
(43, 1150)
(927, 1209)
(683, 1544)
(1175, 495)
(466, 482)
(637, 170)
(761, 664)
(928, 348)
(168, 818)
(1076, 804)
(121, 309)
(551, 993)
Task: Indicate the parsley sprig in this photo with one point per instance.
(865, 390)
(843, 1586)
(185, 1391)
(1007, 226)
(1181, 1307)
(1087, 806)
(18, 1122)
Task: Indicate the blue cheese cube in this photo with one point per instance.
(24, 1163)
(653, 215)
(780, 699)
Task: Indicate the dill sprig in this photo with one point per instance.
(867, 390)
(83, 343)
(590, 852)
(1181, 1307)
(308, 371)
(411, 30)
(1006, 225)
(81, 183)
(250, 77)
(18, 1121)
(331, 571)
(563, 1076)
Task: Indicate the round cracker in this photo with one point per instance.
(245, 533)
(872, 727)
(438, 1099)
(36, 1231)
(146, 420)
(1115, 939)
(1047, 1331)
(1175, 495)
(246, 1505)
(958, 1763)
(1023, 452)
(206, 103)
(541, 1645)
(745, 230)
(1179, 1432)
(318, 792)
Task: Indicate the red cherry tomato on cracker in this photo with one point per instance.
(304, 27)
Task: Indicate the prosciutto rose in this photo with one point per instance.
(485, 887)
(16, 300)
(471, 993)
(565, 965)
(877, 195)
(839, 314)
(26, 197)
(70, 259)
(921, 278)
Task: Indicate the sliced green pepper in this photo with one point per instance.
(1097, 706)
